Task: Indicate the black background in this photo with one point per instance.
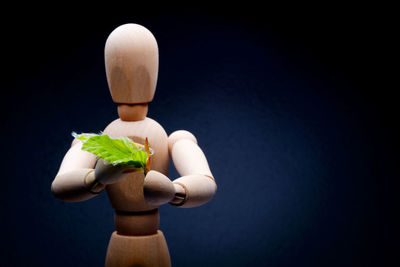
(294, 113)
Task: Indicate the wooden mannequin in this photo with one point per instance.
(131, 57)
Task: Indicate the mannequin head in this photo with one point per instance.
(131, 58)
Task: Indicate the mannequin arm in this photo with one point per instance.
(197, 185)
(75, 181)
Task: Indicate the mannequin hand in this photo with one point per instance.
(158, 188)
(106, 173)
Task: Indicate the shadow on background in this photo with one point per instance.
(295, 122)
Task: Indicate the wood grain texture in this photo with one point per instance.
(137, 223)
(132, 112)
(191, 163)
(147, 251)
(75, 178)
(189, 158)
(158, 188)
(76, 159)
(127, 194)
(131, 58)
(199, 190)
(179, 135)
(71, 187)
(180, 195)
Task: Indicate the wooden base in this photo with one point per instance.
(146, 251)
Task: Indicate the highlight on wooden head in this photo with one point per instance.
(131, 59)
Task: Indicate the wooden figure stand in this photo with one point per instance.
(131, 58)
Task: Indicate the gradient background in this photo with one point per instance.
(294, 118)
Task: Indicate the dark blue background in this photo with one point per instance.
(296, 124)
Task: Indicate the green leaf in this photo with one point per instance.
(82, 137)
(114, 150)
